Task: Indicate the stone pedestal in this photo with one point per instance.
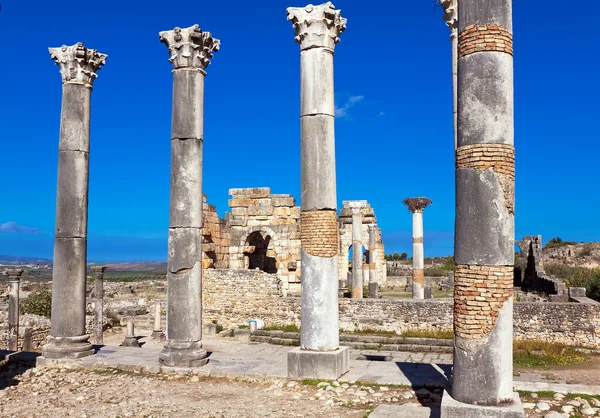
(190, 50)
(157, 333)
(68, 338)
(318, 364)
(451, 408)
(373, 290)
(130, 340)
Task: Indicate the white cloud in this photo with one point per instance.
(343, 110)
(15, 228)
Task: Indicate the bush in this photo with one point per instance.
(38, 303)
(557, 242)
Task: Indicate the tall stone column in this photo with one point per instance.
(190, 50)
(451, 18)
(371, 253)
(98, 303)
(317, 29)
(357, 273)
(416, 206)
(78, 67)
(484, 236)
(14, 283)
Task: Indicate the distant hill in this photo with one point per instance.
(14, 259)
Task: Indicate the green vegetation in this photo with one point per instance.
(219, 328)
(370, 331)
(577, 277)
(557, 242)
(396, 257)
(37, 303)
(314, 382)
(284, 328)
(545, 354)
(442, 334)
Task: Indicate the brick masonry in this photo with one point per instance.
(479, 294)
(319, 233)
(478, 38)
(419, 277)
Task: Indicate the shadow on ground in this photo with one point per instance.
(13, 364)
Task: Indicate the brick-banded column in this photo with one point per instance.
(98, 303)
(317, 29)
(451, 18)
(371, 261)
(484, 238)
(357, 273)
(14, 283)
(416, 206)
(78, 67)
(190, 50)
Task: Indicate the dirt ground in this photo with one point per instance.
(585, 374)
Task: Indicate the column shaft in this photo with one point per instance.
(99, 308)
(13, 314)
(484, 238)
(418, 256)
(357, 273)
(371, 252)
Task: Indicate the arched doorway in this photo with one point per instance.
(259, 253)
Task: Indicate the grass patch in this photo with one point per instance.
(545, 354)
(314, 382)
(441, 334)
(284, 328)
(371, 331)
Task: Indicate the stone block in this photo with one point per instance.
(318, 364)
(451, 408)
(253, 192)
(283, 201)
(240, 202)
(260, 210)
(209, 329)
(577, 292)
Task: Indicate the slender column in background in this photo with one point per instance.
(190, 50)
(373, 285)
(78, 67)
(451, 18)
(416, 206)
(14, 283)
(357, 253)
(98, 303)
(484, 236)
(157, 333)
(317, 29)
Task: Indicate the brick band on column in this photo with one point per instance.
(419, 277)
(479, 294)
(480, 38)
(417, 240)
(319, 235)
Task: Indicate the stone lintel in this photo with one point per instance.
(190, 48)
(451, 408)
(77, 63)
(318, 364)
(317, 26)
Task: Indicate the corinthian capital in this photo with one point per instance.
(317, 26)
(190, 47)
(77, 63)
(450, 13)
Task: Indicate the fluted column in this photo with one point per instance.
(78, 67)
(484, 237)
(190, 50)
(416, 206)
(14, 283)
(98, 303)
(317, 29)
(451, 18)
(357, 273)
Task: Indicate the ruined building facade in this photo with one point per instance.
(262, 231)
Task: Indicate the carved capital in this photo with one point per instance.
(450, 14)
(99, 269)
(190, 47)
(13, 274)
(417, 204)
(77, 63)
(317, 26)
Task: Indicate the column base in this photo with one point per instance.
(130, 342)
(451, 408)
(158, 335)
(318, 364)
(183, 354)
(67, 347)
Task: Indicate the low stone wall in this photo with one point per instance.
(402, 281)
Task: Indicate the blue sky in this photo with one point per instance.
(393, 94)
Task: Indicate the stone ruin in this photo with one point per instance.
(262, 232)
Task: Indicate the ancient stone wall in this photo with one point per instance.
(215, 238)
(368, 218)
(265, 234)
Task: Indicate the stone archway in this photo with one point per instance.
(258, 248)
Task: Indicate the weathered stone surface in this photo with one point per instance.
(318, 364)
(317, 26)
(188, 104)
(453, 409)
(190, 47)
(186, 184)
(72, 194)
(75, 118)
(77, 63)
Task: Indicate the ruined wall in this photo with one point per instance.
(345, 222)
(260, 219)
(215, 238)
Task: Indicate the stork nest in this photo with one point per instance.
(417, 203)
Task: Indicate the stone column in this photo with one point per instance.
(451, 18)
(78, 67)
(317, 29)
(190, 50)
(416, 206)
(371, 261)
(98, 303)
(157, 333)
(357, 273)
(14, 282)
(484, 236)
